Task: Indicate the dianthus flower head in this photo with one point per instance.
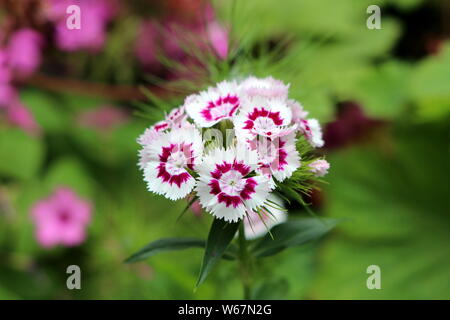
(277, 157)
(214, 104)
(232, 178)
(264, 117)
(176, 119)
(228, 185)
(169, 160)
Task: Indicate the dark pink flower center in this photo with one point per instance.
(230, 185)
(174, 160)
(64, 216)
(264, 122)
(178, 179)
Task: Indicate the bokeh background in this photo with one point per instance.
(383, 97)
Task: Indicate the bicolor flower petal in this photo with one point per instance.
(170, 160)
(312, 131)
(176, 119)
(150, 134)
(213, 105)
(228, 185)
(269, 118)
(61, 218)
(278, 157)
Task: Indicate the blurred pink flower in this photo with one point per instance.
(174, 33)
(8, 94)
(104, 118)
(352, 125)
(55, 10)
(5, 71)
(24, 51)
(147, 45)
(20, 116)
(94, 17)
(218, 37)
(20, 57)
(217, 34)
(61, 219)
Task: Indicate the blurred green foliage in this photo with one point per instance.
(397, 202)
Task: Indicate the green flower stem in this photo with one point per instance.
(245, 263)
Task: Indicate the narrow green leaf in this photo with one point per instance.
(294, 232)
(162, 245)
(219, 237)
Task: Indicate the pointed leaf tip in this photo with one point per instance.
(219, 237)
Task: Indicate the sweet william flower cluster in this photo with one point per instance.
(229, 147)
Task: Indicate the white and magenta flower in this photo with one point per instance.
(168, 160)
(265, 87)
(319, 167)
(234, 182)
(257, 224)
(228, 185)
(176, 119)
(270, 118)
(298, 112)
(153, 132)
(61, 219)
(278, 157)
(150, 134)
(213, 105)
(312, 130)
